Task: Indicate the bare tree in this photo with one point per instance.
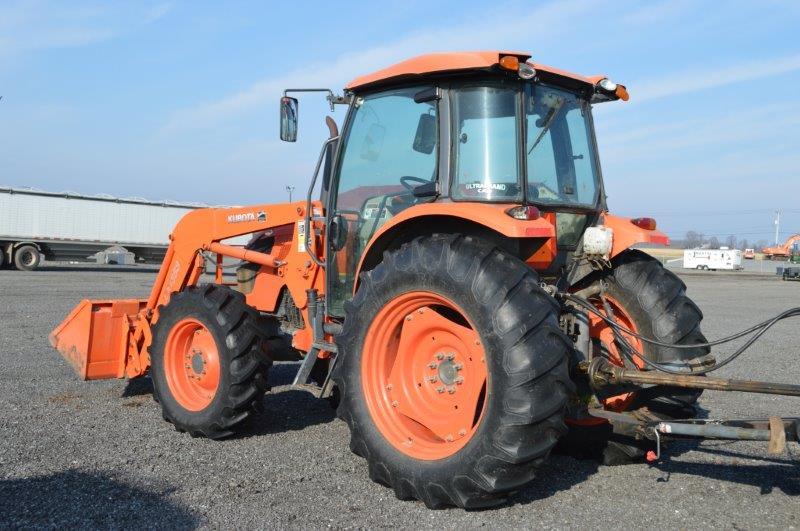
(713, 243)
(744, 244)
(693, 239)
(730, 242)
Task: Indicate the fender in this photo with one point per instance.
(626, 234)
(489, 215)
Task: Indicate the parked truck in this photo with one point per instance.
(713, 259)
(66, 226)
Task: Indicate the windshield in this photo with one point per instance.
(559, 156)
(559, 147)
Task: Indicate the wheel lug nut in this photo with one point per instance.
(449, 438)
(451, 357)
(462, 432)
(458, 366)
(389, 387)
(395, 403)
(459, 380)
(451, 390)
(432, 365)
(433, 379)
(440, 389)
(408, 317)
(440, 356)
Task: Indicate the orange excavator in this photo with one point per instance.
(453, 280)
(782, 251)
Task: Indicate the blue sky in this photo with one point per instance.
(178, 100)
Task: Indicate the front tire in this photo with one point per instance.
(432, 306)
(208, 366)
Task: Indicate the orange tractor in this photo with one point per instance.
(456, 284)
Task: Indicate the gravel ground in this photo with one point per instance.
(97, 454)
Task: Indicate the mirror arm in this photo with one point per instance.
(333, 99)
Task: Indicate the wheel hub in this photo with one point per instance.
(27, 258)
(198, 364)
(446, 371)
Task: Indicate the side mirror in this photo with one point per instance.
(288, 119)
(425, 139)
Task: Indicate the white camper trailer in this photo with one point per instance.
(713, 259)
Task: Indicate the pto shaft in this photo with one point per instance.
(602, 373)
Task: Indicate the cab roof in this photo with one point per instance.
(452, 62)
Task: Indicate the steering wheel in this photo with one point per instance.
(406, 181)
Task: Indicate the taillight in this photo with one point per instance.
(645, 223)
(524, 213)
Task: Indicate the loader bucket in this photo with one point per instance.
(94, 337)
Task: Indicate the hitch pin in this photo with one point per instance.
(651, 456)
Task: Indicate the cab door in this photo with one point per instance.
(390, 147)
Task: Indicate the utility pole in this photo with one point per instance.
(777, 225)
(290, 189)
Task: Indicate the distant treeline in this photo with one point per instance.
(694, 240)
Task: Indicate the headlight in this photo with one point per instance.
(526, 71)
(607, 85)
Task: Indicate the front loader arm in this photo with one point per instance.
(203, 230)
(108, 339)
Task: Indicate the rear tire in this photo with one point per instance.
(527, 380)
(27, 258)
(235, 336)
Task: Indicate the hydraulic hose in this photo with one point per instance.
(757, 330)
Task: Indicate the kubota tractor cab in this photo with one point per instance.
(437, 288)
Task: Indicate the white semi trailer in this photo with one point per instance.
(68, 226)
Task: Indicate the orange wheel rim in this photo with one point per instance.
(601, 330)
(424, 375)
(191, 364)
